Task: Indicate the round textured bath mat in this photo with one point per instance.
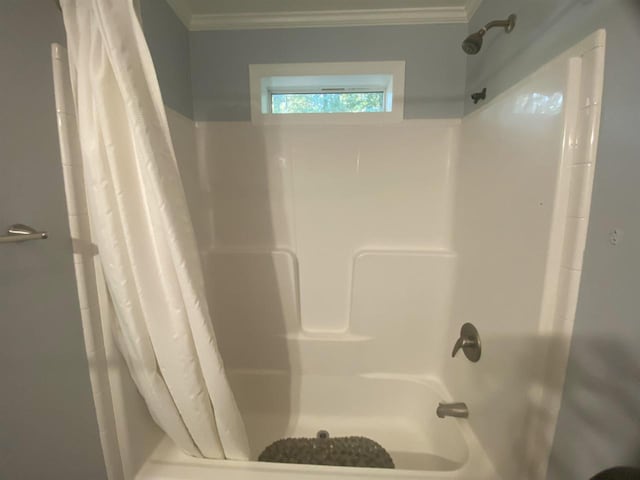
(324, 450)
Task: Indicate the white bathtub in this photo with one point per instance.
(397, 412)
(514, 272)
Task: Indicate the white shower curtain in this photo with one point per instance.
(141, 225)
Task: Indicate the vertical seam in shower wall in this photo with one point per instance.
(584, 149)
(291, 215)
(452, 187)
(562, 199)
(537, 444)
(83, 253)
(581, 146)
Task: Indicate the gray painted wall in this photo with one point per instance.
(205, 75)
(168, 41)
(217, 85)
(599, 424)
(48, 428)
(434, 76)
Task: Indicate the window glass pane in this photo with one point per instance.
(329, 102)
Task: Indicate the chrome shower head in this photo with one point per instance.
(473, 43)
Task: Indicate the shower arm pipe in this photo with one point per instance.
(507, 24)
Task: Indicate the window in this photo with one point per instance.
(357, 92)
(338, 100)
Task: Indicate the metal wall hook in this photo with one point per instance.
(21, 233)
(481, 95)
(469, 342)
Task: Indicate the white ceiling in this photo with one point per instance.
(241, 14)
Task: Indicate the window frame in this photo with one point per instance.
(266, 79)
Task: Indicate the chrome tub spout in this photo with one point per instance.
(458, 409)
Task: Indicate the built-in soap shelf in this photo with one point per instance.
(404, 252)
(302, 336)
(389, 290)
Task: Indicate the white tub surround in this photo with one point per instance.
(524, 191)
(340, 262)
(361, 250)
(325, 195)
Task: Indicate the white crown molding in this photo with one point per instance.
(471, 8)
(334, 18)
(183, 10)
(323, 18)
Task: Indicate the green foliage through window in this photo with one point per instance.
(328, 102)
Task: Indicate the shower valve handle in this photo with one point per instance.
(463, 343)
(468, 342)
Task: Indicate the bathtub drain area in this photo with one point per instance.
(352, 451)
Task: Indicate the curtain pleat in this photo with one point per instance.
(141, 225)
